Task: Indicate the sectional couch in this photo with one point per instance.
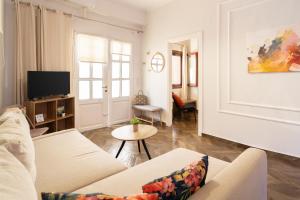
(67, 161)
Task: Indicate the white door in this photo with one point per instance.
(91, 73)
(104, 82)
(121, 82)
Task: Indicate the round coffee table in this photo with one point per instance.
(126, 133)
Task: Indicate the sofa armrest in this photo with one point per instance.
(245, 178)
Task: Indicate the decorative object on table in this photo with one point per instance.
(180, 184)
(61, 111)
(135, 123)
(274, 50)
(140, 99)
(39, 118)
(158, 62)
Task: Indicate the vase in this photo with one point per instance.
(135, 127)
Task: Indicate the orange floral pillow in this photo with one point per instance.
(180, 185)
(95, 196)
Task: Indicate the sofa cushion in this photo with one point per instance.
(16, 182)
(245, 178)
(132, 180)
(96, 196)
(67, 161)
(181, 184)
(15, 136)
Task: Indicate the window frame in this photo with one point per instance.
(179, 54)
(197, 65)
(120, 79)
(91, 79)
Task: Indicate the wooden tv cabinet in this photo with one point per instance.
(49, 109)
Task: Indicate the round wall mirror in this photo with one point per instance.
(157, 62)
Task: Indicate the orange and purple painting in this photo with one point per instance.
(279, 53)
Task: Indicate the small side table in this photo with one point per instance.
(38, 131)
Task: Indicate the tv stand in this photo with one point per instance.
(48, 108)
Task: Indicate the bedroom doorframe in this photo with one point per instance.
(199, 36)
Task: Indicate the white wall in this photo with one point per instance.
(120, 11)
(263, 126)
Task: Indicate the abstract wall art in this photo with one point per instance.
(275, 50)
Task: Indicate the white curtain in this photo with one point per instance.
(26, 48)
(2, 71)
(184, 93)
(92, 48)
(44, 42)
(56, 41)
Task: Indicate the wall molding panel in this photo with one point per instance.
(228, 66)
(271, 119)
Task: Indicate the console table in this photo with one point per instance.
(147, 108)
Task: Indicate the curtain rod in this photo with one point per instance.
(84, 18)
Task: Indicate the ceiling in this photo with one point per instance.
(146, 5)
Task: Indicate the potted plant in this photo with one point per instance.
(135, 122)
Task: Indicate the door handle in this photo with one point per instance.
(105, 88)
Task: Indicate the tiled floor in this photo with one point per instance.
(283, 171)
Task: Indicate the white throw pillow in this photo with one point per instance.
(15, 181)
(15, 136)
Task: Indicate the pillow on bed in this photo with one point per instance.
(180, 185)
(95, 196)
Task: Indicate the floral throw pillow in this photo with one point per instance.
(180, 185)
(95, 196)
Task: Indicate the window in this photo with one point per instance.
(193, 69)
(120, 68)
(92, 56)
(90, 80)
(176, 69)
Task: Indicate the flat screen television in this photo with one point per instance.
(47, 83)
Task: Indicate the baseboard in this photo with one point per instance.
(93, 127)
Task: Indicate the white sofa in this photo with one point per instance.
(66, 161)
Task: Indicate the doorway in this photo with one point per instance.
(185, 85)
(103, 77)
